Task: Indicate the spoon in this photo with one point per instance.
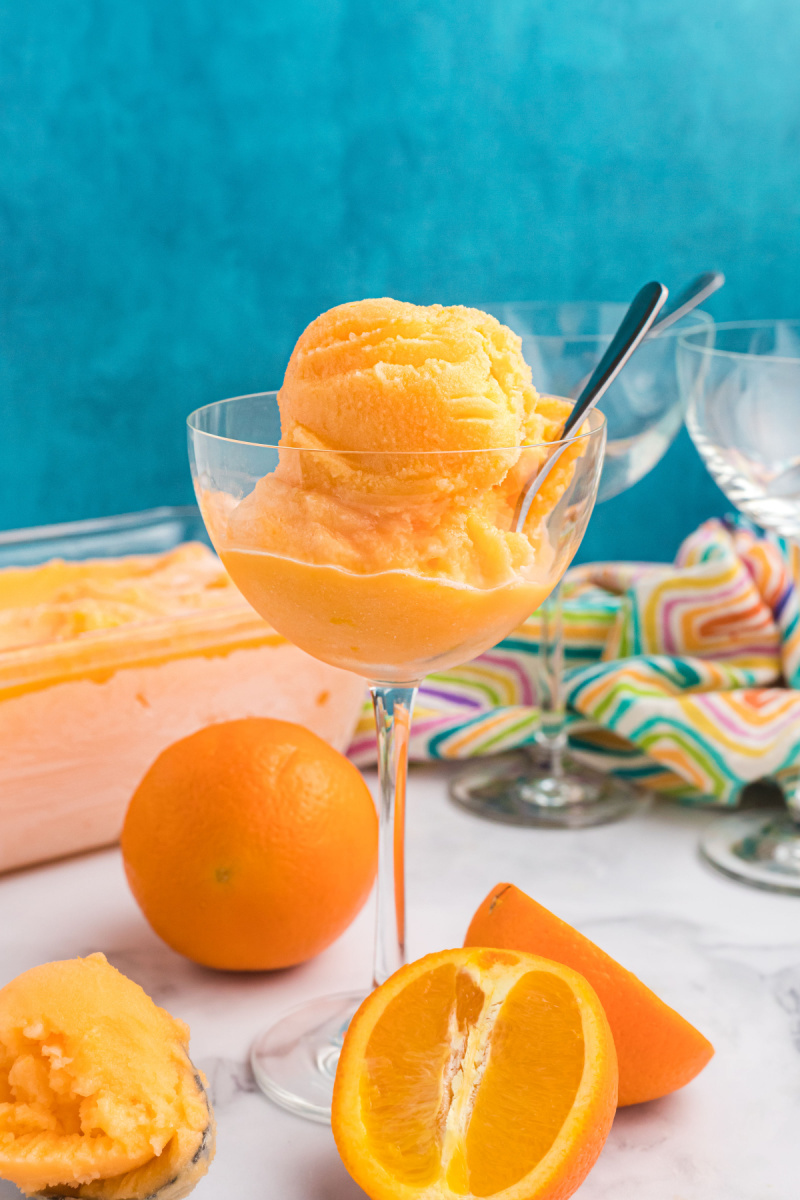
(634, 327)
(693, 294)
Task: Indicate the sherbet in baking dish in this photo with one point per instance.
(105, 662)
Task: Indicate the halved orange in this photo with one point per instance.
(475, 1073)
(658, 1050)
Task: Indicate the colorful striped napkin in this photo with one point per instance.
(685, 678)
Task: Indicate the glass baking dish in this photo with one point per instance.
(81, 721)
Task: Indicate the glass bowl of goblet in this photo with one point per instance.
(388, 564)
(741, 381)
(543, 784)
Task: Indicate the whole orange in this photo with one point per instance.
(251, 844)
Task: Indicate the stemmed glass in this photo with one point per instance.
(416, 573)
(542, 784)
(742, 383)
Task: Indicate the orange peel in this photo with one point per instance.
(657, 1049)
(475, 1072)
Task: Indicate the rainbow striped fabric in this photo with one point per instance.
(685, 677)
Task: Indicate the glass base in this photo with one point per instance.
(515, 789)
(294, 1062)
(762, 849)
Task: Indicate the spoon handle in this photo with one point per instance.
(693, 294)
(635, 324)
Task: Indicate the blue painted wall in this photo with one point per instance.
(184, 185)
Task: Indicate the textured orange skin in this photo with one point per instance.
(657, 1050)
(577, 1157)
(251, 844)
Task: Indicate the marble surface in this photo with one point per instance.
(726, 956)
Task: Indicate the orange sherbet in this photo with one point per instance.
(106, 662)
(98, 1096)
(382, 541)
(59, 600)
(383, 376)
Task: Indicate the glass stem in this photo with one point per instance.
(393, 707)
(790, 779)
(552, 734)
(790, 784)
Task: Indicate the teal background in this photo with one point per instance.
(184, 185)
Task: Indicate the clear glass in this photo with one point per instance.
(741, 382)
(73, 752)
(644, 410)
(152, 531)
(389, 564)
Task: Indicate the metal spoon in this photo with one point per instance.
(693, 294)
(635, 324)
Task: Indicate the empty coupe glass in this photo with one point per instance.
(742, 383)
(543, 784)
(390, 565)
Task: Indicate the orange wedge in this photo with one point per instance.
(475, 1073)
(658, 1051)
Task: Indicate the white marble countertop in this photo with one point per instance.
(726, 956)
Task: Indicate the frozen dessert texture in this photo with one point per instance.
(106, 662)
(98, 1096)
(381, 536)
(383, 375)
(419, 416)
(60, 600)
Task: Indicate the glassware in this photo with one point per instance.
(742, 383)
(543, 784)
(386, 579)
(84, 714)
(152, 531)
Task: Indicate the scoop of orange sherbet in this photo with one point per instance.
(98, 1097)
(380, 376)
(383, 541)
(402, 429)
